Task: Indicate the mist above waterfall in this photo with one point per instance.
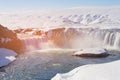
(85, 42)
(48, 45)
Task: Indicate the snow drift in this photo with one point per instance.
(106, 71)
(92, 53)
(6, 56)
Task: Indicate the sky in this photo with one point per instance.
(31, 5)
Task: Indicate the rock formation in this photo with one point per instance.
(9, 40)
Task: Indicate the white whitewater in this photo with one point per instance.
(110, 38)
(32, 43)
(117, 40)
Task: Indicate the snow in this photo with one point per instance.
(106, 71)
(91, 51)
(6, 56)
(45, 64)
(103, 18)
(84, 17)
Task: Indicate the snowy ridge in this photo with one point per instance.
(107, 17)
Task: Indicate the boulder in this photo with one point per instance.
(6, 56)
(92, 52)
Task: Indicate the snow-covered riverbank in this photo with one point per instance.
(106, 71)
(45, 64)
(6, 56)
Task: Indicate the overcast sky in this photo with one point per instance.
(31, 5)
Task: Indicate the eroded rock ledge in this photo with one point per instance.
(9, 40)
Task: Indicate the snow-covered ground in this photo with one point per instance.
(92, 52)
(107, 71)
(6, 56)
(95, 17)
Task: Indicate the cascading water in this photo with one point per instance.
(68, 38)
(110, 38)
(117, 40)
(32, 43)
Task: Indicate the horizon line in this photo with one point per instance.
(45, 10)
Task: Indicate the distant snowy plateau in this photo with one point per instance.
(84, 17)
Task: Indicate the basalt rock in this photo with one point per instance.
(9, 40)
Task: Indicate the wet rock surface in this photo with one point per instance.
(9, 40)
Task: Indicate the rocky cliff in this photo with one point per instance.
(9, 40)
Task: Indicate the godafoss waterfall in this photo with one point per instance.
(70, 44)
(72, 38)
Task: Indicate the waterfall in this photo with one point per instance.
(117, 41)
(33, 43)
(106, 38)
(109, 38)
(75, 37)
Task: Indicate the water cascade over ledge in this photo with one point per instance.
(75, 38)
